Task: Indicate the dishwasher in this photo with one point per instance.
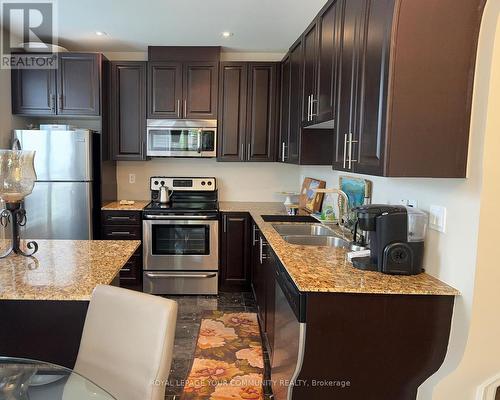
(289, 335)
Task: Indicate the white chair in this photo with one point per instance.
(127, 343)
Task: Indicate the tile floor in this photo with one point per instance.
(191, 309)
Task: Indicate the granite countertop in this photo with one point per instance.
(326, 269)
(63, 269)
(116, 206)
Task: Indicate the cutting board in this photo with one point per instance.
(309, 200)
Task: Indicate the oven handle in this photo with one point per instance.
(180, 217)
(166, 275)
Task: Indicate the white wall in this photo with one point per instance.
(237, 181)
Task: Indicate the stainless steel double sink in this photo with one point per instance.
(307, 234)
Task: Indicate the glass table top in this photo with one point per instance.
(23, 379)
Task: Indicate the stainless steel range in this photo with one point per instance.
(180, 238)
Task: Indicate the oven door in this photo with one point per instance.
(180, 245)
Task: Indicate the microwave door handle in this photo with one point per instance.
(199, 141)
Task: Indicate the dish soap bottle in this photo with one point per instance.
(328, 211)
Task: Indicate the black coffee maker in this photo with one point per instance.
(397, 236)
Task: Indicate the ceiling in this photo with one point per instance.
(131, 25)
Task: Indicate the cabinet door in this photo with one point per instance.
(78, 84)
(200, 90)
(370, 137)
(296, 60)
(128, 110)
(235, 251)
(164, 90)
(261, 112)
(350, 84)
(284, 110)
(232, 111)
(329, 45)
(33, 91)
(309, 71)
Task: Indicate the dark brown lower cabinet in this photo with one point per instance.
(263, 285)
(128, 110)
(125, 225)
(235, 252)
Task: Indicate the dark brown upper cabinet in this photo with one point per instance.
(182, 90)
(321, 60)
(165, 96)
(73, 89)
(248, 111)
(297, 145)
(200, 90)
(232, 111)
(78, 84)
(310, 60)
(405, 98)
(34, 92)
(292, 148)
(128, 110)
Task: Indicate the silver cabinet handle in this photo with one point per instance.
(178, 108)
(312, 107)
(156, 275)
(185, 108)
(120, 233)
(350, 150)
(120, 218)
(224, 223)
(309, 107)
(345, 149)
(283, 152)
(242, 151)
(261, 250)
(254, 236)
(249, 156)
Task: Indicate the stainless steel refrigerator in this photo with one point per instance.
(62, 203)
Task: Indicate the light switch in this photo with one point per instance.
(437, 218)
(131, 178)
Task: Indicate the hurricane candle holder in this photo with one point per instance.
(17, 179)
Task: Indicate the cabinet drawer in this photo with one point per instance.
(121, 218)
(122, 232)
(133, 268)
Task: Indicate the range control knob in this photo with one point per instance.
(156, 183)
(162, 183)
(203, 183)
(209, 183)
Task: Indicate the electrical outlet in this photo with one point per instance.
(131, 178)
(437, 218)
(410, 203)
(413, 203)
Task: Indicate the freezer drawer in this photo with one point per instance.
(194, 283)
(59, 210)
(60, 155)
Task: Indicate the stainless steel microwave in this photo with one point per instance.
(181, 138)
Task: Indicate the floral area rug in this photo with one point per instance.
(228, 362)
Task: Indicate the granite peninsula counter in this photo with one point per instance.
(44, 298)
(64, 269)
